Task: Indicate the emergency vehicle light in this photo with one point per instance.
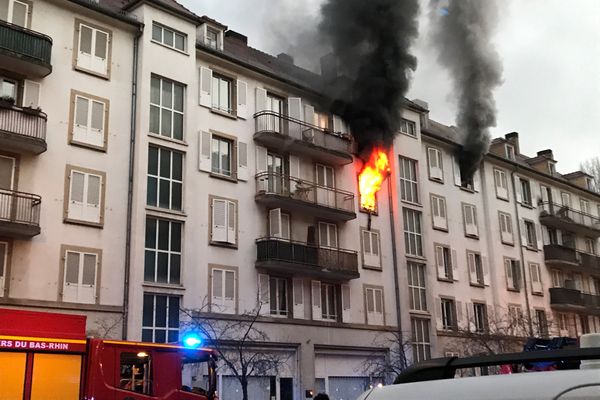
(192, 340)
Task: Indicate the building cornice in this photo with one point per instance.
(92, 5)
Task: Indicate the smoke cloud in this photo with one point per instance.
(461, 33)
(371, 43)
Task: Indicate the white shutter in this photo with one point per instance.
(459, 313)
(219, 220)
(486, 270)
(538, 236)
(242, 99)
(298, 288)
(216, 279)
(260, 99)
(275, 228)
(309, 114)
(316, 300)
(338, 124)
(439, 260)
(295, 108)
(263, 293)
(376, 318)
(457, 180)
(242, 156)
(523, 232)
(438, 314)
(231, 222)
(472, 268)
(518, 189)
(536, 279)
(229, 298)
(510, 279)
(205, 87)
(261, 168)
(454, 266)
(31, 94)
(476, 180)
(345, 303)
(294, 173)
(204, 151)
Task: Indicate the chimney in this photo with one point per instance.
(513, 138)
(237, 36)
(286, 58)
(546, 153)
(421, 103)
(329, 70)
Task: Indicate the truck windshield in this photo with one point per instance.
(135, 372)
(199, 377)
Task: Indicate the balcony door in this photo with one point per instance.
(275, 105)
(276, 171)
(7, 186)
(17, 13)
(325, 185)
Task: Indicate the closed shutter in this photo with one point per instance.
(295, 108)
(242, 101)
(457, 180)
(435, 167)
(476, 181)
(518, 189)
(231, 222)
(298, 288)
(229, 299)
(486, 270)
(263, 293)
(316, 300)
(439, 260)
(31, 94)
(262, 178)
(523, 232)
(536, 279)
(275, 228)
(205, 87)
(510, 279)
(459, 314)
(345, 303)
(472, 267)
(242, 172)
(217, 289)
(439, 314)
(219, 220)
(204, 151)
(454, 265)
(260, 99)
(538, 236)
(371, 248)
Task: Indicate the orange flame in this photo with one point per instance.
(371, 177)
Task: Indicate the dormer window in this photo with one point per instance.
(551, 168)
(212, 38)
(589, 183)
(509, 152)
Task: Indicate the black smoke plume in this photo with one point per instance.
(371, 43)
(462, 32)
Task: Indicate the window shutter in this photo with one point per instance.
(538, 236)
(204, 152)
(242, 156)
(438, 314)
(260, 99)
(338, 124)
(456, 169)
(309, 114)
(217, 286)
(454, 265)
(345, 303)
(316, 300)
(486, 270)
(523, 232)
(242, 101)
(459, 313)
(231, 222)
(263, 293)
(294, 173)
(476, 180)
(261, 169)
(295, 108)
(379, 320)
(298, 288)
(439, 260)
(472, 268)
(518, 190)
(31, 94)
(275, 223)
(510, 283)
(219, 220)
(205, 87)
(536, 281)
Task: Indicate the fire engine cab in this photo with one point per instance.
(46, 356)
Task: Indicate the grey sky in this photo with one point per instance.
(550, 51)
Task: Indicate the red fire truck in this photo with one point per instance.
(46, 356)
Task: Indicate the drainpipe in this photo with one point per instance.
(127, 273)
(488, 233)
(395, 262)
(519, 236)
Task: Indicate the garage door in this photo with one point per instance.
(347, 387)
(259, 388)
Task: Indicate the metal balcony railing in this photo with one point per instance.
(33, 45)
(333, 259)
(272, 122)
(569, 215)
(574, 297)
(19, 207)
(305, 191)
(24, 122)
(557, 253)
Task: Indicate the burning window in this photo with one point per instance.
(371, 178)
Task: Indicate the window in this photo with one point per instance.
(328, 301)
(8, 88)
(444, 262)
(168, 37)
(566, 199)
(409, 189)
(509, 152)
(551, 168)
(136, 372)
(162, 260)
(506, 231)
(166, 108)
(321, 120)
(552, 235)
(93, 48)
(479, 317)
(568, 239)
(590, 245)
(435, 163)
(325, 189)
(222, 93)
(421, 346)
(221, 156)
(80, 272)
(536, 278)
(501, 183)
(530, 235)
(448, 315)
(370, 246)
(515, 319)
(438, 211)
(470, 220)
(3, 265)
(563, 321)
(525, 192)
(279, 224)
(85, 196)
(160, 318)
(584, 206)
(374, 305)
(165, 178)
(513, 274)
(17, 12)
(412, 232)
(212, 38)
(589, 183)
(225, 157)
(408, 127)
(279, 296)
(557, 278)
(476, 275)
(416, 286)
(90, 120)
(328, 235)
(585, 324)
(541, 323)
(223, 221)
(223, 290)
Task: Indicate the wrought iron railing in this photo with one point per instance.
(20, 207)
(305, 191)
(333, 259)
(564, 296)
(269, 121)
(30, 123)
(570, 215)
(28, 43)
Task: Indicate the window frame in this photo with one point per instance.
(438, 199)
(171, 180)
(229, 201)
(75, 94)
(70, 169)
(326, 315)
(527, 224)
(175, 33)
(409, 180)
(64, 250)
(482, 307)
(371, 233)
(370, 293)
(478, 267)
(448, 268)
(337, 235)
(474, 218)
(505, 219)
(509, 152)
(453, 326)
(28, 14)
(223, 307)
(420, 338)
(439, 160)
(405, 128)
(153, 328)
(220, 171)
(536, 266)
(417, 288)
(500, 176)
(513, 280)
(280, 282)
(231, 95)
(526, 195)
(170, 252)
(77, 43)
(169, 109)
(417, 234)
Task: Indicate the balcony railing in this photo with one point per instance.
(28, 45)
(565, 215)
(557, 254)
(574, 297)
(310, 135)
(19, 213)
(340, 262)
(25, 123)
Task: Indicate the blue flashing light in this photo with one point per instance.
(192, 341)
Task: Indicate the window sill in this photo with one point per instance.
(223, 177)
(225, 245)
(436, 180)
(437, 228)
(447, 280)
(470, 236)
(101, 149)
(167, 139)
(225, 114)
(365, 211)
(411, 257)
(420, 312)
(512, 244)
(525, 205)
(169, 47)
(506, 199)
(156, 285)
(372, 268)
(465, 189)
(105, 76)
(534, 249)
(513, 290)
(539, 294)
(157, 211)
(415, 136)
(99, 225)
(478, 285)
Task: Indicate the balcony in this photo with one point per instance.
(24, 51)
(22, 130)
(278, 131)
(277, 190)
(563, 217)
(561, 256)
(574, 300)
(297, 258)
(19, 214)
